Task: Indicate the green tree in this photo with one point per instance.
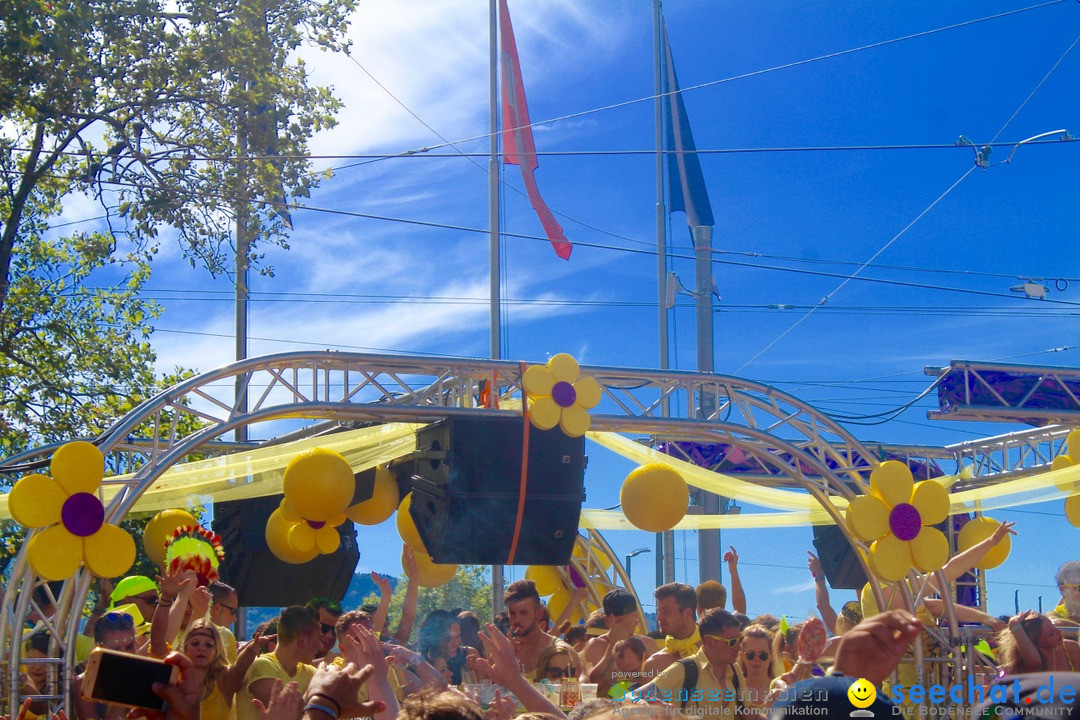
(469, 589)
(147, 104)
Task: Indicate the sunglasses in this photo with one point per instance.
(230, 608)
(1070, 586)
(730, 642)
(761, 655)
(121, 620)
(147, 598)
(558, 672)
(327, 629)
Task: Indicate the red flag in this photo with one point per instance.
(517, 137)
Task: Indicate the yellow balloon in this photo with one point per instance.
(160, 529)
(429, 574)
(1072, 509)
(890, 558)
(581, 551)
(35, 501)
(1061, 462)
(1073, 443)
(382, 503)
(558, 602)
(78, 467)
(110, 552)
(319, 483)
(654, 497)
(407, 528)
(977, 530)
(55, 554)
(547, 578)
(277, 540)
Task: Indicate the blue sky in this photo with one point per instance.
(823, 210)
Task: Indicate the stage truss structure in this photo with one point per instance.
(792, 442)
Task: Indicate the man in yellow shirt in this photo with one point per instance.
(716, 689)
(298, 640)
(223, 606)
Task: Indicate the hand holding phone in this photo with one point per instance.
(121, 678)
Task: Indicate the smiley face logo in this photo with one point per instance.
(862, 693)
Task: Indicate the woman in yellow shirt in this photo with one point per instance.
(220, 681)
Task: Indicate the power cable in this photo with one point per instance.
(601, 246)
(755, 73)
(917, 218)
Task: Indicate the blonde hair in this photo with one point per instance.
(760, 632)
(218, 664)
(1008, 657)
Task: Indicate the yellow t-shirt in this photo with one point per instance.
(230, 642)
(396, 676)
(708, 697)
(215, 707)
(268, 666)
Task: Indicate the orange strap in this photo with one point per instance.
(524, 474)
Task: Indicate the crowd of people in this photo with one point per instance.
(323, 662)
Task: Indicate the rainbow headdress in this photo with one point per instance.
(193, 547)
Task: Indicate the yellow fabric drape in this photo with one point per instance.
(802, 508)
(258, 472)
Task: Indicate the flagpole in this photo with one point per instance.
(493, 233)
(665, 542)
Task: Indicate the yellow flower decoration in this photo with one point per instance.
(304, 534)
(318, 485)
(1072, 503)
(896, 518)
(68, 506)
(560, 395)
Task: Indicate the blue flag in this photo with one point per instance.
(686, 183)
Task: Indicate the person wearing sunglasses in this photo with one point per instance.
(329, 612)
(137, 590)
(115, 630)
(710, 681)
(224, 603)
(755, 656)
(556, 664)
(1067, 612)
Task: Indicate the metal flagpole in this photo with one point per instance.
(665, 541)
(493, 232)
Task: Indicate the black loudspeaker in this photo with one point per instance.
(260, 579)
(467, 487)
(838, 558)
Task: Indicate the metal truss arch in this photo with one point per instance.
(781, 431)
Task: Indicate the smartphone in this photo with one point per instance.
(121, 678)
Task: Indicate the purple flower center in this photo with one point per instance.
(563, 394)
(82, 514)
(316, 524)
(905, 521)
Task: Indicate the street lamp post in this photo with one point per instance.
(630, 557)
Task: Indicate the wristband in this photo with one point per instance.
(819, 578)
(337, 705)
(321, 708)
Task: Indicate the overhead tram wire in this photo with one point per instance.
(607, 153)
(743, 76)
(470, 157)
(600, 246)
(207, 295)
(428, 150)
(917, 218)
(848, 279)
